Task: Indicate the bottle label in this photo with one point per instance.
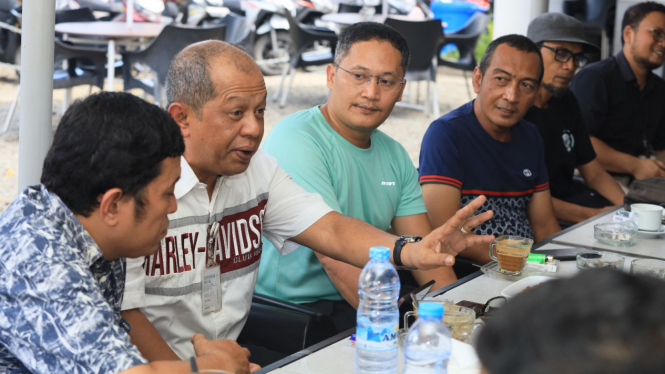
(376, 337)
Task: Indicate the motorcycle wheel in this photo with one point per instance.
(263, 51)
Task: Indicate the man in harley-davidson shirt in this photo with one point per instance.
(217, 95)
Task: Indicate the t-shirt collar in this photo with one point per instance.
(187, 179)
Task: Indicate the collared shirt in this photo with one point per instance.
(616, 111)
(262, 201)
(59, 298)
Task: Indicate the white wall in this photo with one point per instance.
(513, 16)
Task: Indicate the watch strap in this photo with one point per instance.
(397, 250)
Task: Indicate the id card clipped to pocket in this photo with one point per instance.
(211, 286)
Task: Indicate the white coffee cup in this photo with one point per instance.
(647, 217)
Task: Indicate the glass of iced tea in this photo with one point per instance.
(511, 253)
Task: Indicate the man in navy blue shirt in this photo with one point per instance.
(107, 187)
(485, 148)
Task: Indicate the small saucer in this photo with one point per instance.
(492, 271)
(651, 234)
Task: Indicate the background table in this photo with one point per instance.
(112, 32)
(582, 235)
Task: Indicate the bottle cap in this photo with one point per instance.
(432, 310)
(379, 253)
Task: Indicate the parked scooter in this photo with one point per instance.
(10, 41)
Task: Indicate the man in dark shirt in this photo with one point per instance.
(623, 102)
(557, 115)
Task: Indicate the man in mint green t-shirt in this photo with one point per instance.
(337, 151)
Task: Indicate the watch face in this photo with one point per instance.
(411, 238)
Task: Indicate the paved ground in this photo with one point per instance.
(309, 89)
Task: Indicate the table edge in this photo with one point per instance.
(305, 352)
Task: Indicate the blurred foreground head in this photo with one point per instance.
(600, 321)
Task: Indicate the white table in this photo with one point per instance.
(483, 288)
(582, 235)
(112, 32)
(340, 358)
(335, 356)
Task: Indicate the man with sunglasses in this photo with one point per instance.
(336, 150)
(622, 101)
(557, 115)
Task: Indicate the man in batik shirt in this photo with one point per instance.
(108, 183)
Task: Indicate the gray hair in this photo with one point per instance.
(188, 80)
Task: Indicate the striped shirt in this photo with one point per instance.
(458, 152)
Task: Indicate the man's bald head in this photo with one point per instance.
(189, 81)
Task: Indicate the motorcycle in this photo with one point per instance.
(10, 40)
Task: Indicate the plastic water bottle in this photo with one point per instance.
(427, 345)
(378, 316)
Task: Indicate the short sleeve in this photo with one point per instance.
(134, 296)
(290, 211)
(590, 89)
(439, 157)
(411, 197)
(54, 319)
(304, 160)
(584, 152)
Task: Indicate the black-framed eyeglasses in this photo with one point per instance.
(386, 82)
(564, 55)
(658, 34)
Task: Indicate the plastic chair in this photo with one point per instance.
(74, 15)
(73, 66)
(304, 37)
(74, 75)
(299, 326)
(352, 8)
(157, 56)
(238, 30)
(424, 52)
(466, 40)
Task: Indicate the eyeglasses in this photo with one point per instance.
(564, 55)
(658, 34)
(386, 82)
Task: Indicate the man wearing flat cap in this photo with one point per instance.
(557, 115)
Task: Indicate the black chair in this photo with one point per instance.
(352, 8)
(239, 30)
(74, 15)
(158, 54)
(424, 52)
(466, 40)
(304, 37)
(71, 75)
(73, 66)
(299, 326)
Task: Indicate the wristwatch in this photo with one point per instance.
(397, 250)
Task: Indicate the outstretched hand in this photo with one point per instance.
(440, 247)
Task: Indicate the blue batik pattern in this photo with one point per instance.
(59, 298)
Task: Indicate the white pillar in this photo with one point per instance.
(513, 16)
(36, 89)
